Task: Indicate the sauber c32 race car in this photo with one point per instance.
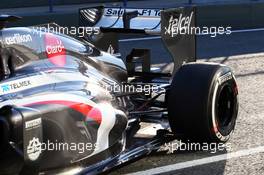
(68, 106)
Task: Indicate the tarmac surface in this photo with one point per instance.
(244, 53)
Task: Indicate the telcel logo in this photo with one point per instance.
(179, 25)
(55, 50)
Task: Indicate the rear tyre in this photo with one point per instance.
(4, 128)
(203, 102)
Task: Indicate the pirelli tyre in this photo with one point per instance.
(203, 102)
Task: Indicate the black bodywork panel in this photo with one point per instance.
(54, 88)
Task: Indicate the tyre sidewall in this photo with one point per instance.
(223, 78)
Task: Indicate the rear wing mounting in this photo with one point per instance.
(175, 26)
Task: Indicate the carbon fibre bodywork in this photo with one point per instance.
(61, 82)
(59, 89)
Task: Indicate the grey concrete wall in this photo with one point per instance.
(34, 3)
(238, 16)
(221, 1)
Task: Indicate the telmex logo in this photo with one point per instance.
(179, 25)
(55, 50)
(14, 86)
(18, 39)
(5, 88)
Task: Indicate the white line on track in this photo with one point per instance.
(203, 161)
(247, 30)
(158, 37)
(139, 39)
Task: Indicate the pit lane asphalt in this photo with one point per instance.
(244, 53)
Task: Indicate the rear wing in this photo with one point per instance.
(175, 26)
(129, 20)
(7, 18)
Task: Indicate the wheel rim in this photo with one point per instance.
(225, 107)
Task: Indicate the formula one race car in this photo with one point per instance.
(67, 106)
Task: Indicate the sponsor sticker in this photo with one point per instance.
(18, 39)
(34, 149)
(141, 12)
(33, 123)
(15, 86)
(55, 50)
(178, 25)
(5, 88)
(32, 138)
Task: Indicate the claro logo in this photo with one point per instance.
(55, 50)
